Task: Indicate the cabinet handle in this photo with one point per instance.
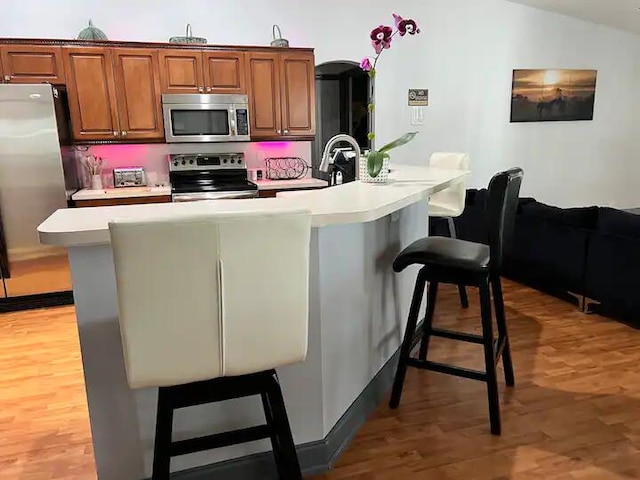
(115, 134)
(286, 132)
(208, 89)
(201, 89)
(124, 134)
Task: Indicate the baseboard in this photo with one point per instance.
(31, 302)
(316, 457)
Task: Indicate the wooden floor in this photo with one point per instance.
(574, 413)
(49, 273)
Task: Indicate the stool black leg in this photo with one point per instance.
(464, 300)
(428, 320)
(284, 449)
(275, 440)
(162, 445)
(462, 290)
(489, 357)
(405, 349)
(503, 334)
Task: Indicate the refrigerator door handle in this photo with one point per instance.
(4, 257)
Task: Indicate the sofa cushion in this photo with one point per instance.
(617, 222)
(475, 197)
(586, 217)
(525, 201)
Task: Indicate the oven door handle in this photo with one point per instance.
(193, 197)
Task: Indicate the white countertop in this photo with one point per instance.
(135, 192)
(354, 202)
(124, 192)
(299, 183)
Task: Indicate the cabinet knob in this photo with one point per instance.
(279, 132)
(286, 132)
(201, 89)
(115, 134)
(208, 89)
(7, 78)
(124, 134)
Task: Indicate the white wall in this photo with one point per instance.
(465, 56)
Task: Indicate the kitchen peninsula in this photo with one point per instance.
(357, 312)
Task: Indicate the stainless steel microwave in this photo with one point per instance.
(205, 118)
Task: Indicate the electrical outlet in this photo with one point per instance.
(417, 115)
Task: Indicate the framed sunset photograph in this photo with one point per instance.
(553, 95)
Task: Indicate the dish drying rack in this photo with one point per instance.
(286, 168)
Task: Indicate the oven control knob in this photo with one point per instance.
(233, 160)
(184, 162)
(175, 164)
(239, 161)
(224, 161)
(191, 162)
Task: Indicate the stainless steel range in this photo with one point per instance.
(209, 177)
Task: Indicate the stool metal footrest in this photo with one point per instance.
(447, 369)
(450, 334)
(219, 440)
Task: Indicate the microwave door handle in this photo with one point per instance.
(232, 122)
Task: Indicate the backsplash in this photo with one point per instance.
(153, 157)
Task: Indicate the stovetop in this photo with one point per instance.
(223, 172)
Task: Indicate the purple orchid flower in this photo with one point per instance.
(365, 64)
(405, 26)
(381, 38)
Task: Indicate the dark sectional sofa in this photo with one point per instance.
(590, 256)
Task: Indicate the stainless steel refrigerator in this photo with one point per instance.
(37, 177)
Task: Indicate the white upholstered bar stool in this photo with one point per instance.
(450, 203)
(198, 321)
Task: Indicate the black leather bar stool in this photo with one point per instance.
(452, 261)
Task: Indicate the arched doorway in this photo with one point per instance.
(342, 96)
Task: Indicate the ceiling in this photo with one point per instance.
(621, 14)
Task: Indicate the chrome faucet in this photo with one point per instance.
(327, 159)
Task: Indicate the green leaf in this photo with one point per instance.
(371, 107)
(371, 135)
(374, 163)
(398, 142)
(372, 73)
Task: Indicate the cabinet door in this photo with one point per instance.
(265, 119)
(138, 93)
(297, 80)
(32, 64)
(181, 71)
(109, 202)
(91, 92)
(224, 72)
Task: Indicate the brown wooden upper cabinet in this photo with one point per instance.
(138, 93)
(298, 93)
(32, 64)
(181, 71)
(114, 94)
(224, 72)
(265, 117)
(195, 71)
(281, 94)
(92, 93)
